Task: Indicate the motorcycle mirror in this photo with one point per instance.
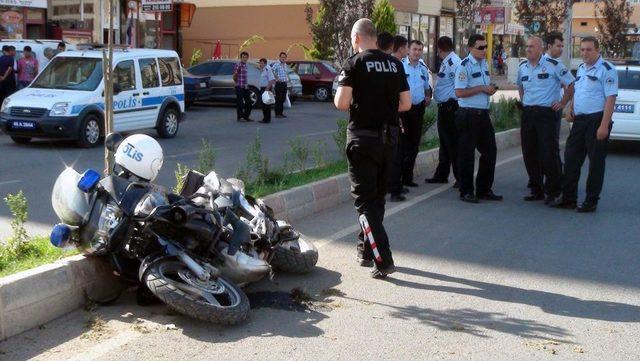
(112, 141)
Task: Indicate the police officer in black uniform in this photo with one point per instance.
(373, 87)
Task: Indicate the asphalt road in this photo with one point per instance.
(492, 281)
(33, 168)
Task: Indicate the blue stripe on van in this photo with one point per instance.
(76, 109)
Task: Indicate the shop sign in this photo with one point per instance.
(11, 17)
(157, 5)
(490, 15)
(25, 3)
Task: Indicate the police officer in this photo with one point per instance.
(475, 131)
(396, 156)
(596, 88)
(418, 78)
(373, 87)
(555, 47)
(445, 95)
(540, 79)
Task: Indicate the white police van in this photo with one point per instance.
(66, 100)
(626, 115)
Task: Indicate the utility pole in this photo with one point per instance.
(107, 72)
(567, 35)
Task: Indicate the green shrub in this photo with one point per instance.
(429, 117)
(319, 154)
(299, 152)
(206, 158)
(180, 174)
(19, 208)
(505, 114)
(340, 137)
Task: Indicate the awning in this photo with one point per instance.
(25, 3)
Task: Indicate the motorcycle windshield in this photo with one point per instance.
(126, 193)
(71, 205)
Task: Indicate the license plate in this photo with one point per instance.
(624, 108)
(19, 124)
(203, 85)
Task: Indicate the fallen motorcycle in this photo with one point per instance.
(271, 239)
(168, 243)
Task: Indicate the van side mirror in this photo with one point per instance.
(116, 89)
(112, 141)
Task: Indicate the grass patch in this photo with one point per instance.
(36, 252)
(297, 179)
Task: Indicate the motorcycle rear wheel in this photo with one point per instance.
(217, 300)
(300, 258)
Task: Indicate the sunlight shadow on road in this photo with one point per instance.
(548, 302)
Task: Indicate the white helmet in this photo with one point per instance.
(141, 155)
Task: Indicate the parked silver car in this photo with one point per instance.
(223, 86)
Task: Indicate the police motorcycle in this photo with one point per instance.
(271, 239)
(163, 241)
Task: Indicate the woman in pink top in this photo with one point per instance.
(27, 68)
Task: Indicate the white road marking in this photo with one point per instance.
(10, 182)
(319, 133)
(393, 210)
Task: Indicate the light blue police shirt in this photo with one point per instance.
(593, 85)
(445, 82)
(542, 83)
(471, 73)
(418, 79)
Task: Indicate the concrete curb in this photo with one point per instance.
(31, 298)
(302, 201)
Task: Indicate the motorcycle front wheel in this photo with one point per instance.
(296, 256)
(216, 300)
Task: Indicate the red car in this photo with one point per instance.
(316, 77)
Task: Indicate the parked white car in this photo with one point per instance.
(626, 116)
(66, 100)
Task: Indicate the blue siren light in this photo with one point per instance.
(89, 179)
(60, 235)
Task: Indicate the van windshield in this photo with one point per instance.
(70, 73)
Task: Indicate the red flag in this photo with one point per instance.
(217, 53)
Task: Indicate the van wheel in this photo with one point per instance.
(21, 140)
(90, 131)
(169, 123)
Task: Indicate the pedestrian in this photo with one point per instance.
(280, 69)
(7, 73)
(539, 82)
(243, 93)
(445, 96)
(395, 188)
(596, 89)
(475, 131)
(267, 81)
(373, 87)
(27, 68)
(61, 47)
(418, 78)
(385, 42)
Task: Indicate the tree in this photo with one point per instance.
(384, 17)
(612, 17)
(466, 10)
(549, 13)
(340, 16)
(321, 34)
